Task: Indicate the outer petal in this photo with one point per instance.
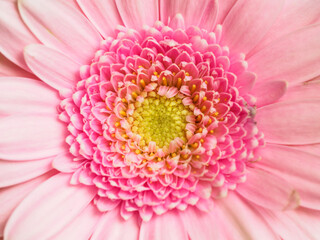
(24, 95)
(115, 227)
(224, 8)
(242, 31)
(54, 68)
(56, 24)
(8, 68)
(136, 13)
(269, 92)
(82, 227)
(202, 13)
(240, 220)
(303, 91)
(296, 14)
(296, 122)
(299, 168)
(17, 172)
(14, 34)
(47, 211)
(28, 137)
(292, 57)
(10, 197)
(268, 190)
(167, 226)
(200, 225)
(96, 11)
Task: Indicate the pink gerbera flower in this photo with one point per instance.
(163, 119)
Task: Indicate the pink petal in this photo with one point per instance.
(114, 226)
(242, 31)
(308, 221)
(96, 12)
(11, 196)
(56, 24)
(47, 211)
(290, 122)
(240, 220)
(82, 226)
(268, 190)
(28, 137)
(8, 68)
(201, 13)
(245, 82)
(17, 172)
(299, 168)
(14, 34)
(279, 61)
(269, 92)
(64, 163)
(303, 91)
(168, 226)
(24, 95)
(54, 68)
(298, 14)
(224, 8)
(135, 13)
(200, 225)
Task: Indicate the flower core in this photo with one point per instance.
(158, 121)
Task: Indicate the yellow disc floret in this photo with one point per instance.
(160, 119)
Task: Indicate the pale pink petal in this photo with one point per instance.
(82, 226)
(307, 220)
(282, 224)
(136, 13)
(202, 13)
(24, 95)
(269, 92)
(28, 137)
(14, 34)
(245, 82)
(13, 172)
(200, 225)
(296, 122)
(64, 163)
(303, 91)
(48, 209)
(296, 14)
(242, 31)
(11, 196)
(292, 58)
(299, 168)
(54, 68)
(56, 24)
(8, 68)
(114, 226)
(310, 148)
(240, 220)
(168, 226)
(96, 12)
(268, 190)
(224, 8)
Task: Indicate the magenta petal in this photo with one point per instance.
(29, 137)
(114, 226)
(49, 212)
(54, 68)
(159, 227)
(56, 23)
(296, 122)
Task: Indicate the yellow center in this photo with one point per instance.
(160, 119)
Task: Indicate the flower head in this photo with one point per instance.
(181, 123)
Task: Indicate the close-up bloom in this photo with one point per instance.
(159, 119)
